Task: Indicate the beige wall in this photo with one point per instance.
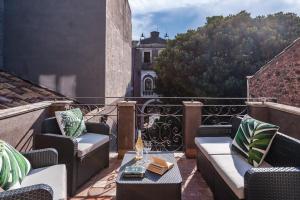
(18, 129)
(59, 44)
(1, 31)
(118, 48)
(286, 117)
(19, 124)
(75, 47)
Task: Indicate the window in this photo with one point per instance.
(148, 84)
(147, 57)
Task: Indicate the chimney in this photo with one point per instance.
(154, 34)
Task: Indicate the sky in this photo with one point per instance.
(178, 16)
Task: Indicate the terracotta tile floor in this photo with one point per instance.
(102, 186)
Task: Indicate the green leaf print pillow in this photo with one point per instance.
(13, 166)
(71, 122)
(253, 139)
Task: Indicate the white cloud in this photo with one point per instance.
(150, 6)
(142, 24)
(145, 10)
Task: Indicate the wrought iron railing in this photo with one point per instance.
(218, 111)
(161, 118)
(161, 123)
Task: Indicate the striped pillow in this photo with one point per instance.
(253, 139)
(13, 166)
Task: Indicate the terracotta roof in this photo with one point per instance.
(15, 91)
(268, 64)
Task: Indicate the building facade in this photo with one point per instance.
(279, 78)
(74, 47)
(144, 53)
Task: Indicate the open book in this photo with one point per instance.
(159, 166)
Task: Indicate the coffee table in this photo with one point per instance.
(152, 186)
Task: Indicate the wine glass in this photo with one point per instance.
(147, 149)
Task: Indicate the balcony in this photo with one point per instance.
(170, 123)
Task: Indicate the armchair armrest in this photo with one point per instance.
(272, 183)
(214, 131)
(34, 192)
(65, 146)
(100, 128)
(42, 158)
(67, 153)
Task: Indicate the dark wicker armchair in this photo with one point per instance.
(279, 181)
(41, 160)
(84, 156)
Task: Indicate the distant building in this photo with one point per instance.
(76, 48)
(279, 78)
(144, 53)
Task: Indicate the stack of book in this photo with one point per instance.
(159, 166)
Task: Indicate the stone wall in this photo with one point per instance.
(280, 78)
(118, 48)
(59, 44)
(1, 31)
(19, 124)
(77, 48)
(286, 117)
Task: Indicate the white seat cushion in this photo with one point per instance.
(55, 176)
(89, 142)
(232, 169)
(214, 145)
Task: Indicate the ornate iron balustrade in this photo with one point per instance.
(218, 111)
(160, 123)
(161, 118)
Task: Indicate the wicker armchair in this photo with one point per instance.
(39, 159)
(82, 162)
(279, 181)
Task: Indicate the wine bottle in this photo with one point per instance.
(139, 146)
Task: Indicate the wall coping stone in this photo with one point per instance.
(192, 103)
(19, 110)
(284, 108)
(281, 107)
(255, 104)
(127, 103)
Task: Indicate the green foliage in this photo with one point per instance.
(13, 166)
(215, 59)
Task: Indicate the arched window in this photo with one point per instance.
(148, 84)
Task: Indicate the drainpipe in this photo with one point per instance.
(248, 87)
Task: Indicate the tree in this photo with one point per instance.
(215, 59)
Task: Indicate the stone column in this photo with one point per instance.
(192, 117)
(126, 127)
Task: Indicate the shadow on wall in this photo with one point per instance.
(19, 129)
(65, 85)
